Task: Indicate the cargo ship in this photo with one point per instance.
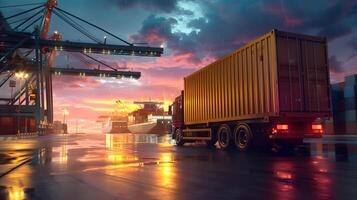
(115, 125)
(150, 119)
(117, 122)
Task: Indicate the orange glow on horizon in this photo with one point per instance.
(87, 99)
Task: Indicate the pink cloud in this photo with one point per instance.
(153, 37)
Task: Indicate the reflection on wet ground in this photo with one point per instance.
(127, 166)
(338, 152)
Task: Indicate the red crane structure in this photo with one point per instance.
(34, 51)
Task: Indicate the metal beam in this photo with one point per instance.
(5, 99)
(107, 49)
(15, 114)
(6, 110)
(13, 47)
(8, 76)
(95, 72)
(22, 90)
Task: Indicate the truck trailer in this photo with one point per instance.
(274, 89)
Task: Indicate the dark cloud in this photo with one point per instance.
(227, 25)
(160, 5)
(159, 30)
(334, 21)
(335, 31)
(156, 30)
(335, 65)
(353, 44)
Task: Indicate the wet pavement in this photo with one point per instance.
(95, 166)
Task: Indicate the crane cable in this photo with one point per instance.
(84, 32)
(95, 26)
(78, 56)
(78, 25)
(36, 20)
(24, 12)
(100, 62)
(20, 5)
(17, 21)
(28, 19)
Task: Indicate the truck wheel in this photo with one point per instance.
(179, 138)
(242, 137)
(224, 137)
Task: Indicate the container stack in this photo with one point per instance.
(338, 102)
(14, 125)
(350, 98)
(337, 125)
(344, 106)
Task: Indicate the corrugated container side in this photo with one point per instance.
(242, 85)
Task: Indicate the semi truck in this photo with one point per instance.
(273, 90)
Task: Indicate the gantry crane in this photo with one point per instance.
(43, 48)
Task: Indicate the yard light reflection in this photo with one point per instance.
(116, 153)
(16, 193)
(166, 173)
(18, 182)
(63, 154)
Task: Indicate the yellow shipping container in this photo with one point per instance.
(245, 83)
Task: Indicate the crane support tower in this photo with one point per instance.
(30, 55)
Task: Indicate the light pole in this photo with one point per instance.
(21, 76)
(65, 112)
(64, 125)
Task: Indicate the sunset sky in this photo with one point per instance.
(193, 34)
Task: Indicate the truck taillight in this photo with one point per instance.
(283, 127)
(317, 128)
(280, 128)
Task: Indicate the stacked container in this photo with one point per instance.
(13, 125)
(338, 102)
(350, 98)
(344, 104)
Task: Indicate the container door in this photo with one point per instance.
(302, 75)
(316, 79)
(290, 75)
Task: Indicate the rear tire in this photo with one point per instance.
(243, 137)
(224, 136)
(179, 138)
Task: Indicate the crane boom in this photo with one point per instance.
(47, 18)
